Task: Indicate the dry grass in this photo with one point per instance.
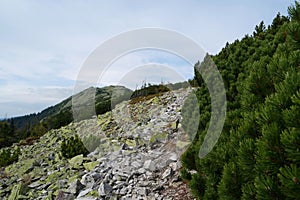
(144, 98)
(26, 179)
(3, 173)
(28, 141)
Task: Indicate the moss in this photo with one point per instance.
(76, 162)
(158, 137)
(53, 177)
(115, 147)
(93, 193)
(73, 178)
(90, 165)
(26, 165)
(130, 143)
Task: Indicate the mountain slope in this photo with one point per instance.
(135, 156)
(61, 114)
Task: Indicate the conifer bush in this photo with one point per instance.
(257, 154)
(8, 156)
(185, 174)
(73, 146)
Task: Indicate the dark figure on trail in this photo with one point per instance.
(177, 122)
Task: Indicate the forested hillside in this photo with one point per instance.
(257, 155)
(34, 125)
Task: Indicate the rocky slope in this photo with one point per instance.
(135, 152)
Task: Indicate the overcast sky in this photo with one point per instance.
(43, 44)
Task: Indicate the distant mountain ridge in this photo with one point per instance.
(102, 95)
(36, 124)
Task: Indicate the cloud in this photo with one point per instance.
(150, 73)
(43, 44)
(152, 66)
(16, 99)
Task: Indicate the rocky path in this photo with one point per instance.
(137, 157)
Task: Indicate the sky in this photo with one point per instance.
(44, 44)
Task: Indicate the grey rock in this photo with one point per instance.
(35, 184)
(84, 193)
(62, 183)
(174, 166)
(173, 157)
(51, 156)
(141, 171)
(123, 191)
(75, 187)
(65, 196)
(96, 176)
(143, 191)
(104, 189)
(167, 173)
(44, 186)
(149, 165)
(86, 198)
(136, 164)
(87, 180)
(44, 164)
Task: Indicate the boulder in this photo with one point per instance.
(173, 157)
(104, 189)
(35, 184)
(75, 187)
(167, 173)
(84, 193)
(87, 180)
(149, 165)
(174, 165)
(76, 162)
(143, 191)
(89, 166)
(96, 176)
(136, 164)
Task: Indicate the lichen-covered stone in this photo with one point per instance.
(76, 162)
(90, 165)
(160, 137)
(18, 192)
(130, 143)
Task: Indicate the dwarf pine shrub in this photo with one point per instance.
(73, 146)
(8, 156)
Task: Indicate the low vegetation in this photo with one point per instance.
(8, 156)
(257, 155)
(73, 146)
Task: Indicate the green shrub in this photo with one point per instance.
(185, 174)
(73, 146)
(197, 185)
(7, 156)
(149, 90)
(103, 107)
